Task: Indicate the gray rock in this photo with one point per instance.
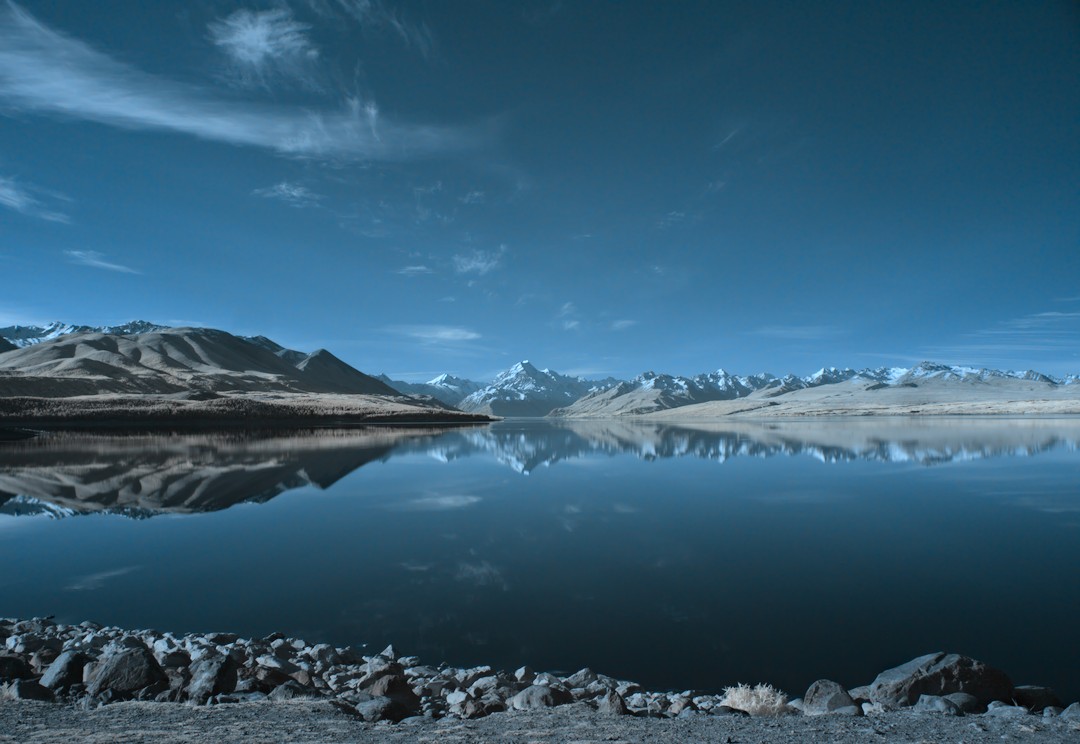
(26, 689)
(965, 702)
(580, 678)
(290, 690)
(540, 696)
(211, 676)
(1035, 698)
(940, 674)
(847, 710)
(1052, 711)
(126, 671)
(379, 709)
(826, 696)
(65, 671)
(611, 703)
(936, 704)
(14, 667)
(1071, 713)
(860, 693)
(724, 710)
(1004, 710)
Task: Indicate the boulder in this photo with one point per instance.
(211, 676)
(25, 689)
(825, 696)
(580, 678)
(1035, 698)
(611, 703)
(290, 690)
(1004, 710)
(14, 667)
(540, 696)
(1072, 713)
(1051, 711)
(936, 704)
(940, 674)
(125, 671)
(65, 671)
(965, 702)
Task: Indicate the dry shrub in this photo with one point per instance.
(762, 700)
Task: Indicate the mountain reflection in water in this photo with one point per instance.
(143, 475)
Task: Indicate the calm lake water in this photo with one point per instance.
(679, 557)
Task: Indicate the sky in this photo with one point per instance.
(602, 188)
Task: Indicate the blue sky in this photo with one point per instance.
(599, 187)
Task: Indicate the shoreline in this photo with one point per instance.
(83, 667)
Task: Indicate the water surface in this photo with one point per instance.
(675, 556)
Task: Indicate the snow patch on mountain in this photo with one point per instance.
(23, 336)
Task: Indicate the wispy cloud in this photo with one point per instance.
(22, 199)
(93, 581)
(263, 46)
(380, 16)
(478, 262)
(473, 197)
(413, 270)
(1052, 337)
(436, 334)
(97, 261)
(44, 71)
(799, 332)
(567, 314)
(293, 194)
(671, 219)
(622, 325)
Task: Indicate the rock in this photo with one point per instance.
(1052, 711)
(290, 690)
(611, 703)
(125, 672)
(860, 693)
(1004, 710)
(580, 678)
(25, 689)
(540, 696)
(389, 653)
(847, 710)
(826, 696)
(544, 678)
(725, 710)
(940, 674)
(1035, 698)
(966, 703)
(65, 671)
(211, 676)
(457, 697)
(872, 709)
(796, 704)
(936, 704)
(1071, 713)
(380, 709)
(398, 689)
(14, 667)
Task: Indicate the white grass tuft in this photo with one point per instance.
(762, 700)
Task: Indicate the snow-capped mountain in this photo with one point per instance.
(655, 392)
(446, 388)
(524, 390)
(22, 336)
(934, 371)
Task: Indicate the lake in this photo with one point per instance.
(676, 556)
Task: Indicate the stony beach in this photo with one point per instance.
(88, 682)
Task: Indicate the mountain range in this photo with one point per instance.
(143, 357)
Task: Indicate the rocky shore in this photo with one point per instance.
(84, 667)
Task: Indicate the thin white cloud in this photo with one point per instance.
(477, 262)
(263, 46)
(622, 325)
(93, 581)
(97, 261)
(373, 14)
(1049, 337)
(44, 71)
(21, 198)
(670, 219)
(293, 194)
(571, 325)
(799, 332)
(435, 333)
(473, 197)
(413, 270)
